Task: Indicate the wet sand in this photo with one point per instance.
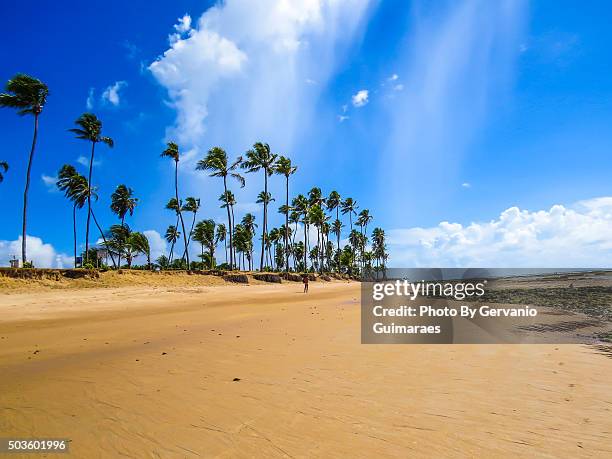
(265, 371)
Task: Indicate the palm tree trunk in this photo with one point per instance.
(178, 204)
(91, 160)
(305, 246)
(287, 227)
(265, 217)
(104, 239)
(229, 222)
(74, 233)
(232, 226)
(25, 193)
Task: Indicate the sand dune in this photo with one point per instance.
(265, 371)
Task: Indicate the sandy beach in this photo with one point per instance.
(264, 370)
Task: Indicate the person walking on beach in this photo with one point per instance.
(305, 280)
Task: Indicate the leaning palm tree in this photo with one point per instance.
(284, 167)
(172, 151)
(90, 129)
(349, 206)
(216, 162)
(28, 95)
(4, 167)
(261, 158)
(75, 188)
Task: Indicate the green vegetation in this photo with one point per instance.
(280, 249)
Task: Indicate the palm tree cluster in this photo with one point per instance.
(279, 247)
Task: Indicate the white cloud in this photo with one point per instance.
(398, 87)
(575, 236)
(84, 161)
(184, 24)
(90, 99)
(361, 98)
(43, 255)
(249, 60)
(393, 77)
(343, 118)
(466, 185)
(49, 182)
(157, 244)
(111, 93)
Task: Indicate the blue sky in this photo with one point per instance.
(474, 131)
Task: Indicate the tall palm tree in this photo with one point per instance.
(4, 167)
(191, 205)
(300, 204)
(172, 151)
(216, 162)
(265, 198)
(261, 158)
(28, 95)
(349, 206)
(228, 201)
(284, 167)
(172, 235)
(333, 203)
(76, 189)
(122, 203)
(248, 221)
(90, 129)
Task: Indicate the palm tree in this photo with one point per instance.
(364, 219)
(123, 202)
(248, 221)
(284, 167)
(28, 95)
(172, 151)
(333, 203)
(216, 162)
(260, 158)
(138, 243)
(4, 167)
(75, 188)
(172, 235)
(300, 204)
(265, 198)
(90, 129)
(349, 206)
(191, 205)
(228, 201)
(204, 233)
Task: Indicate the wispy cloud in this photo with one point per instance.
(452, 65)
(111, 94)
(89, 103)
